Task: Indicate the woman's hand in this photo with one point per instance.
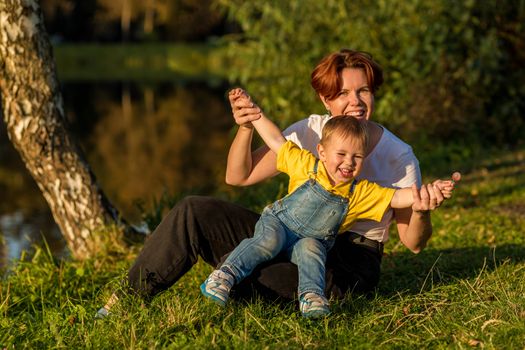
(431, 196)
(244, 110)
(245, 167)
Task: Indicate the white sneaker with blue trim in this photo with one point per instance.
(217, 287)
(313, 305)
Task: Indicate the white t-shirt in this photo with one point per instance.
(391, 163)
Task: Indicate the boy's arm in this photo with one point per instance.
(403, 197)
(412, 197)
(415, 227)
(269, 132)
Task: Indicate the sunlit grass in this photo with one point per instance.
(466, 289)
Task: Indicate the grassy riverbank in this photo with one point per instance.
(466, 289)
(140, 62)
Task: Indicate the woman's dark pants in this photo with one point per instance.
(211, 228)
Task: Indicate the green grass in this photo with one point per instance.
(465, 290)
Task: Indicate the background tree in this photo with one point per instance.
(33, 112)
(134, 20)
(454, 69)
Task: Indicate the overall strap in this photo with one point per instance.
(313, 172)
(352, 188)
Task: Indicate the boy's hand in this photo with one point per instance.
(243, 109)
(426, 198)
(430, 196)
(446, 187)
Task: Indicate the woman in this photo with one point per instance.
(346, 82)
(210, 228)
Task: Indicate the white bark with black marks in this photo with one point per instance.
(33, 111)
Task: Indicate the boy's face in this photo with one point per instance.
(342, 158)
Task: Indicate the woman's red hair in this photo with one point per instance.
(326, 76)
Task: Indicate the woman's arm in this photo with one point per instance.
(269, 132)
(414, 228)
(414, 225)
(245, 167)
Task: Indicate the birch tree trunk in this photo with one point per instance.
(33, 111)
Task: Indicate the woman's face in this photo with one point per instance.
(355, 98)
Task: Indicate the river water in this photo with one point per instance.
(141, 140)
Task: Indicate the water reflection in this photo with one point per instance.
(141, 141)
(22, 231)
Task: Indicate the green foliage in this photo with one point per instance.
(453, 69)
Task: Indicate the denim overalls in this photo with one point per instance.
(304, 224)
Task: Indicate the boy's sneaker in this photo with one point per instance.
(217, 287)
(313, 305)
(102, 313)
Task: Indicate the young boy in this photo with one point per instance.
(324, 199)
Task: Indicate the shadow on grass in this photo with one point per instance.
(503, 190)
(410, 273)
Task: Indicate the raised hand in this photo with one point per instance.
(244, 110)
(431, 196)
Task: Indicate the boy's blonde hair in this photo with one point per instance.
(345, 126)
